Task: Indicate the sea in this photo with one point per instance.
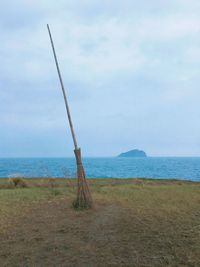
(183, 168)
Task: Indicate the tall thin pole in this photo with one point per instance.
(63, 90)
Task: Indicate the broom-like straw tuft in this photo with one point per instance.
(84, 199)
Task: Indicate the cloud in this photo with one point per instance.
(128, 66)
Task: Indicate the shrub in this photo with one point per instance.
(80, 206)
(52, 182)
(18, 182)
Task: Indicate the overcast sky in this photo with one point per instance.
(131, 70)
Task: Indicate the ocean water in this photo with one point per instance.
(151, 167)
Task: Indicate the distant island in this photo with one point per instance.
(133, 153)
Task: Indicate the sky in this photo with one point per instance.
(131, 71)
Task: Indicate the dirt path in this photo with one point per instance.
(52, 234)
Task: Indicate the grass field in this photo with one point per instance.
(134, 223)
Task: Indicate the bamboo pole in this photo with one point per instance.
(84, 199)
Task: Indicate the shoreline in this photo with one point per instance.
(62, 182)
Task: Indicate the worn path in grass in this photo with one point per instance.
(133, 224)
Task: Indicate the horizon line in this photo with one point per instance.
(153, 156)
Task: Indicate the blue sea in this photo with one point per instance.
(151, 167)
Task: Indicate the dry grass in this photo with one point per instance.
(18, 182)
(134, 223)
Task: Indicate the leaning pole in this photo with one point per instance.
(83, 199)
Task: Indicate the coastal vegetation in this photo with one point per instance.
(135, 222)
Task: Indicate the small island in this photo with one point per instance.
(135, 153)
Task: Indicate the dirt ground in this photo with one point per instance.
(50, 233)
